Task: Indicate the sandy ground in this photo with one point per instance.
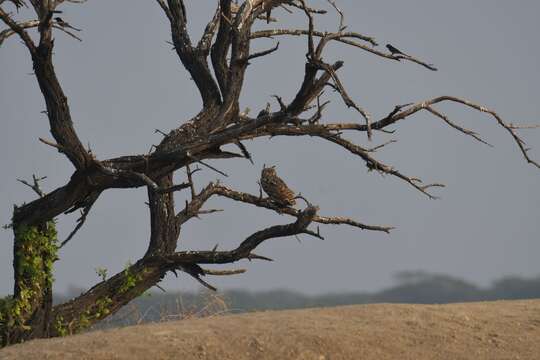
(488, 330)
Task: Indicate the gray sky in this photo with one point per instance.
(123, 81)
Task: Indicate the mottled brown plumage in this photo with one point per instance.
(276, 188)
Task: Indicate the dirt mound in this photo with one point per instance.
(487, 330)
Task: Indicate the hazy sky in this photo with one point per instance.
(123, 81)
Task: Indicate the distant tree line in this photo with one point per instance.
(412, 287)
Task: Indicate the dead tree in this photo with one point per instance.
(217, 63)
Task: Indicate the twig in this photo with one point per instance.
(189, 155)
(154, 186)
(190, 181)
(264, 52)
(54, 145)
(35, 184)
(375, 148)
(282, 105)
(223, 272)
(341, 16)
(67, 32)
(457, 127)
(244, 151)
(80, 221)
(253, 256)
(157, 131)
(209, 211)
(345, 96)
(314, 234)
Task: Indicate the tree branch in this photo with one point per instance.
(345, 38)
(18, 29)
(34, 185)
(427, 105)
(110, 295)
(269, 204)
(192, 208)
(193, 59)
(244, 250)
(221, 45)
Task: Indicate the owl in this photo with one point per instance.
(276, 188)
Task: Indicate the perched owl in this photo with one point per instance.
(276, 188)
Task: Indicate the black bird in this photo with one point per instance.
(62, 23)
(394, 50)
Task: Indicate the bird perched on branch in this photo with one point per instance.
(276, 188)
(394, 50)
(64, 24)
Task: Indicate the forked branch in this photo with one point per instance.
(245, 249)
(192, 208)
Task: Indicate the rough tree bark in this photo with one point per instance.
(225, 49)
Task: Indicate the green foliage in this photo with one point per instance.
(102, 307)
(94, 312)
(102, 273)
(36, 252)
(5, 306)
(60, 326)
(98, 310)
(131, 279)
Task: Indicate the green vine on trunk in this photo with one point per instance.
(36, 251)
(131, 279)
(99, 310)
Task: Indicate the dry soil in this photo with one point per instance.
(487, 330)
